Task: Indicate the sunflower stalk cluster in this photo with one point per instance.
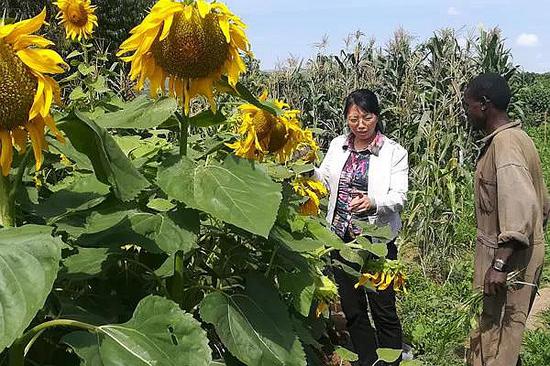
(169, 228)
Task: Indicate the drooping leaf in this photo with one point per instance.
(141, 113)
(378, 249)
(111, 165)
(255, 325)
(160, 205)
(81, 192)
(388, 354)
(294, 241)
(379, 232)
(86, 347)
(207, 118)
(238, 192)
(346, 354)
(157, 233)
(302, 287)
(88, 262)
(324, 234)
(29, 258)
(159, 333)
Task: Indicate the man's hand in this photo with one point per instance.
(495, 282)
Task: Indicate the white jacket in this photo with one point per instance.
(388, 181)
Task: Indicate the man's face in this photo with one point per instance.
(473, 108)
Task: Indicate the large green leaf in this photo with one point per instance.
(177, 180)
(111, 165)
(207, 118)
(388, 354)
(302, 288)
(86, 347)
(158, 233)
(238, 192)
(29, 261)
(294, 241)
(159, 333)
(255, 325)
(141, 113)
(79, 192)
(88, 262)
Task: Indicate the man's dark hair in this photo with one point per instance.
(490, 87)
(364, 99)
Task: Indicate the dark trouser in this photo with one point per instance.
(355, 304)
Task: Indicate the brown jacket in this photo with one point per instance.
(511, 197)
(511, 205)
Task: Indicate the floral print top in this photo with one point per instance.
(354, 177)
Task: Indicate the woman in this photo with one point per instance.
(366, 175)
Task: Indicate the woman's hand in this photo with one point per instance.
(361, 203)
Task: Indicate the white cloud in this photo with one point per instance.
(527, 40)
(452, 11)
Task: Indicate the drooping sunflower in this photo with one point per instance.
(263, 133)
(26, 91)
(190, 44)
(383, 273)
(314, 190)
(78, 18)
(325, 292)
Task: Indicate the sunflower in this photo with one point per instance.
(314, 190)
(263, 133)
(26, 91)
(325, 292)
(384, 273)
(78, 18)
(191, 44)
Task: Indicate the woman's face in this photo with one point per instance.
(361, 123)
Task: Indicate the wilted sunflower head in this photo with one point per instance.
(314, 190)
(26, 92)
(189, 44)
(263, 133)
(78, 18)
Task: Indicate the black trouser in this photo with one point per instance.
(365, 338)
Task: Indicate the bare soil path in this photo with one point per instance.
(542, 303)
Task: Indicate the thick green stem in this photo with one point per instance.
(177, 281)
(7, 203)
(17, 350)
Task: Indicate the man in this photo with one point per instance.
(511, 209)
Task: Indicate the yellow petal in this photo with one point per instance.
(24, 27)
(204, 8)
(166, 27)
(19, 136)
(7, 152)
(224, 25)
(43, 61)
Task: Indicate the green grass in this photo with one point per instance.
(536, 350)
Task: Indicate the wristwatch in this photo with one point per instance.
(499, 265)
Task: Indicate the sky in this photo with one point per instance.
(278, 29)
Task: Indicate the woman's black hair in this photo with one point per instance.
(367, 101)
(364, 99)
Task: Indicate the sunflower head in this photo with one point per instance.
(78, 18)
(189, 44)
(26, 90)
(263, 133)
(313, 190)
